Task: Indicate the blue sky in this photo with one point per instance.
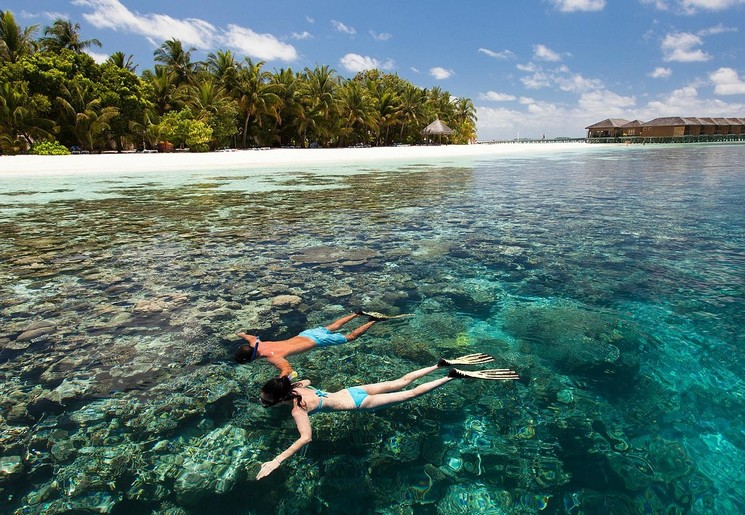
(531, 67)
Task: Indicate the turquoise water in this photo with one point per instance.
(611, 279)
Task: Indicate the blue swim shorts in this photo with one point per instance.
(323, 337)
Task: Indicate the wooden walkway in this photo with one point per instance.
(714, 138)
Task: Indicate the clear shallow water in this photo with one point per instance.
(611, 280)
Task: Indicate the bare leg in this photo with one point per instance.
(382, 400)
(397, 384)
(335, 326)
(359, 331)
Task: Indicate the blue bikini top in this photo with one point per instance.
(319, 409)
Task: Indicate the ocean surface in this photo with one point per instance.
(612, 279)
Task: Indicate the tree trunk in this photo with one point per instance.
(245, 129)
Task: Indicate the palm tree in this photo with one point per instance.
(223, 67)
(147, 129)
(204, 99)
(358, 111)
(319, 97)
(256, 96)
(125, 62)
(438, 102)
(20, 122)
(84, 119)
(389, 113)
(412, 104)
(172, 56)
(164, 93)
(63, 34)
(291, 114)
(14, 42)
(465, 119)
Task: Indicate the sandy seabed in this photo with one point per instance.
(21, 166)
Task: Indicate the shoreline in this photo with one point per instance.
(29, 166)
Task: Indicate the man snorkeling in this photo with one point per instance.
(275, 352)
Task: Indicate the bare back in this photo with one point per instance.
(288, 347)
(331, 401)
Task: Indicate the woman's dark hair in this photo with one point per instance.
(280, 389)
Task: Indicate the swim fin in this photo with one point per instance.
(495, 374)
(381, 316)
(468, 359)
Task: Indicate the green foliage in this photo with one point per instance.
(121, 89)
(223, 123)
(20, 118)
(49, 148)
(181, 129)
(198, 136)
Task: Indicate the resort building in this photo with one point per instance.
(668, 130)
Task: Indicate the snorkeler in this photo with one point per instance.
(306, 401)
(275, 352)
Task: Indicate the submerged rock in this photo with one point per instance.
(214, 463)
(322, 254)
(10, 466)
(36, 330)
(286, 301)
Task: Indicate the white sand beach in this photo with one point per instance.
(29, 166)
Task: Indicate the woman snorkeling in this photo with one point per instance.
(306, 400)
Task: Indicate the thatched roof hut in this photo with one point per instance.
(437, 127)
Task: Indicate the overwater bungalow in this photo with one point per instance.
(608, 128)
(672, 129)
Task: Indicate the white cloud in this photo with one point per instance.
(496, 97)
(682, 100)
(50, 15)
(660, 5)
(569, 6)
(301, 35)
(383, 36)
(357, 63)
(717, 29)
(340, 27)
(536, 81)
(544, 110)
(560, 77)
(441, 73)
(527, 68)
(543, 53)
(261, 46)
(681, 47)
(310, 19)
(112, 14)
(727, 82)
(577, 83)
(605, 101)
(660, 73)
(693, 6)
(504, 54)
(97, 56)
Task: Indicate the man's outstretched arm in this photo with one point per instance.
(284, 367)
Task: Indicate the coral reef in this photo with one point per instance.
(121, 296)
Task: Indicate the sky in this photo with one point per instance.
(532, 68)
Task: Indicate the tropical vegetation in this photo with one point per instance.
(51, 91)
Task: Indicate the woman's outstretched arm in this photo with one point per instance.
(306, 435)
